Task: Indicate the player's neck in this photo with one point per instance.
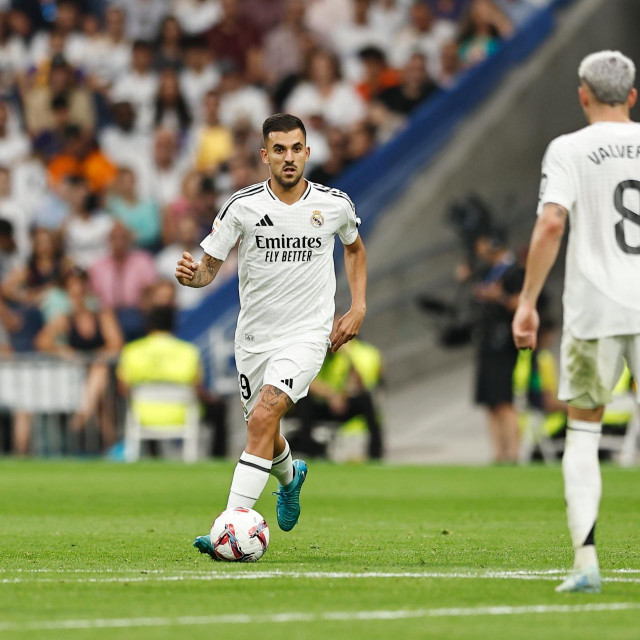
(607, 113)
(288, 196)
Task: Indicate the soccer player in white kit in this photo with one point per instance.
(591, 176)
(286, 227)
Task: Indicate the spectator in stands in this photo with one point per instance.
(496, 293)
(358, 33)
(485, 27)
(26, 287)
(141, 217)
(324, 92)
(13, 53)
(236, 38)
(86, 230)
(342, 390)
(170, 107)
(121, 140)
(450, 65)
(121, 279)
(452, 10)
(425, 34)
(415, 88)
(241, 103)
(52, 210)
(198, 77)
(328, 172)
(388, 17)
(285, 50)
(144, 18)
(139, 85)
(188, 203)
(160, 177)
(27, 284)
(197, 16)
(12, 210)
(212, 142)
(38, 101)
(114, 48)
(14, 145)
(362, 140)
(9, 255)
(378, 77)
(81, 156)
(93, 335)
(169, 45)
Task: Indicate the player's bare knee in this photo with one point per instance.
(262, 425)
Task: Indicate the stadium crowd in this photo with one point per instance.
(125, 125)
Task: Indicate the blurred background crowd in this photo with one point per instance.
(125, 125)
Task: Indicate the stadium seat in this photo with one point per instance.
(149, 399)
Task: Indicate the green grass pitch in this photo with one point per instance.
(97, 550)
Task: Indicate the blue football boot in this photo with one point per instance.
(203, 545)
(288, 506)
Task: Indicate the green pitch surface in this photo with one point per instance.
(104, 551)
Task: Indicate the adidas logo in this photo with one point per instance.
(288, 382)
(265, 222)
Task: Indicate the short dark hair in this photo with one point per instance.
(161, 318)
(284, 122)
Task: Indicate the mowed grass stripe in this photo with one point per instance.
(329, 616)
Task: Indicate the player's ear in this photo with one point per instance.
(307, 152)
(263, 155)
(633, 97)
(583, 96)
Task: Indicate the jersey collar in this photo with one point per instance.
(275, 197)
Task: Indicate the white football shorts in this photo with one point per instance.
(291, 368)
(590, 369)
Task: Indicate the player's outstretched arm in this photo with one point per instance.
(543, 251)
(355, 262)
(197, 274)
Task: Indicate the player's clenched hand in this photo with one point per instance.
(186, 268)
(525, 326)
(346, 328)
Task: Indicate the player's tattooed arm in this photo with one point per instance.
(197, 274)
(274, 400)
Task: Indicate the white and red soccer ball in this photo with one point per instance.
(239, 535)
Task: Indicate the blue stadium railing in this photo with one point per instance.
(379, 178)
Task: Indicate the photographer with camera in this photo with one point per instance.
(495, 292)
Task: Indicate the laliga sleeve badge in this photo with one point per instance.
(317, 219)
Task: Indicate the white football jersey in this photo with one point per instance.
(285, 261)
(594, 173)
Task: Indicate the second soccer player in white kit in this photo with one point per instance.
(286, 227)
(591, 176)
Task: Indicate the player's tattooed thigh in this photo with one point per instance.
(271, 396)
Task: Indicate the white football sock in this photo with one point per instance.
(249, 480)
(582, 487)
(282, 467)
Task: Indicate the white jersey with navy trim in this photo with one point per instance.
(285, 261)
(594, 173)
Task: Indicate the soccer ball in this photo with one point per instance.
(239, 535)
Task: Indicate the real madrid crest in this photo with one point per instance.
(317, 219)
